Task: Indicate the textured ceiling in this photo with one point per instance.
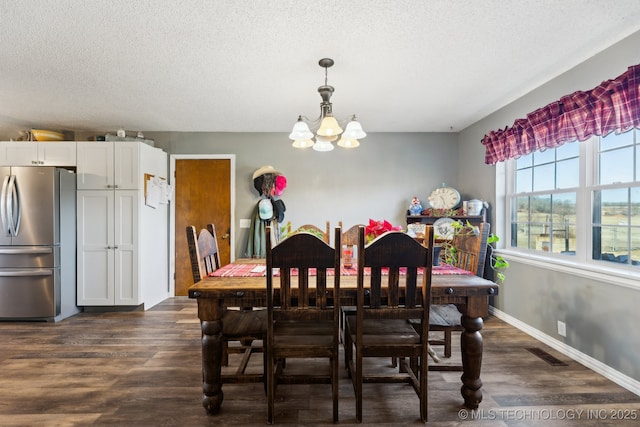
(252, 66)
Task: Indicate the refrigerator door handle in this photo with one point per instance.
(16, 250)
(25, 273)
(14, 208)
(3, 205)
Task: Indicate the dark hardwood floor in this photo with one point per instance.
(144, 369)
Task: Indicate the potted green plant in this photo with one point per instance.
(448, 252)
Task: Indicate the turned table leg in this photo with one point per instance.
(471, 348)
(212, 365)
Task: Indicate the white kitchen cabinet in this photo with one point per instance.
(108, 245)
(122, 243)
(109, 165)
(37, 153)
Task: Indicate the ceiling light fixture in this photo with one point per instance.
(329, 129)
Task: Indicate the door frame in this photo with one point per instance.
(172, 209)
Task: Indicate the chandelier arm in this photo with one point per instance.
(311, 123)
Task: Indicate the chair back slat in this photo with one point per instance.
(295, 257)
(393, 251)
(203, 251)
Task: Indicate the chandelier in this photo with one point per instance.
(328, 127)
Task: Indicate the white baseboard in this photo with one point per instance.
(605, 370)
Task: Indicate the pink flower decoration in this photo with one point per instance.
(376, 228)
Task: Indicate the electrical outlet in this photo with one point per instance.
(245, 223)
(562, 329)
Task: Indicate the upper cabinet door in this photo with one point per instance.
(21, 153)
(18, 153)
(95, 165)
(126, 160)
(57, 153)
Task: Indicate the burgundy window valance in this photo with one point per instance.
(612, 106)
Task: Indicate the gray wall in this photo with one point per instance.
(600, 316)
(376, 180)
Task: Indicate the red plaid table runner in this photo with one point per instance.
(259, 270)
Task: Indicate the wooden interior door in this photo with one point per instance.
(202, 195)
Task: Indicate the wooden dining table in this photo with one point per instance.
(237, 285)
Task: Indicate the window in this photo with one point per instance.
(616, 199)
(592, 186)
(543, 210)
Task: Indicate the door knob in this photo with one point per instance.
(225, 236)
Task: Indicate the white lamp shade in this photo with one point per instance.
(348, 143)
(329, 127)
(302, 143)
(300, 131)
(353, 130)
(323, 144)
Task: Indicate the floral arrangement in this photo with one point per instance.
(376, 228)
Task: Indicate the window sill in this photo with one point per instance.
(627, 277)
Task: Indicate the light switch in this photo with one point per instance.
(245, 223)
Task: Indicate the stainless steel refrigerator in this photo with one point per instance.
(37, 243)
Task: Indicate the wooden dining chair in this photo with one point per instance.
(380, 327)
(244, 326)
(310, 228)
(303, 321)
(349, 241)
(470, 255)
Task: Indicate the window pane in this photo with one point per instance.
(521, 210)
(524, 180)
(541, 223)
(519, 222)
(616, 166)
(635, 246)
(522, 236)
(568, 150)
(540, 208)
(543, 177)
(615, 141)
(637, 176)
(565, 243)
(635, 206)
(546, 156)
(614, 207)
(563, 220)
(524, 161)
(614, 244)
(568, 175)
(564, 208)
(611, 241)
